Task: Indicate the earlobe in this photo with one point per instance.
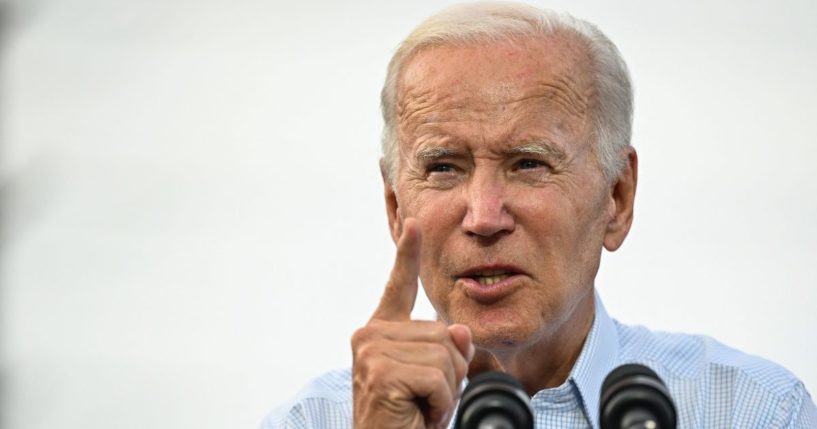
(623, 197)
(392, 208)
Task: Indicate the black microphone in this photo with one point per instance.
(494, 400)
(633, 397)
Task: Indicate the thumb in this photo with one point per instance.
(461, 336)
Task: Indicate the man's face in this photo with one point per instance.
(498, 167)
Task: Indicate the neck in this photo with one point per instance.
(547, 362)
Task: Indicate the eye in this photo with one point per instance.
(527, 164)
(440, 168)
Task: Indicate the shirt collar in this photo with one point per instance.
(597, 358)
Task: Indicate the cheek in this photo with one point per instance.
(563, 238)
(546, 217)
(439, 217)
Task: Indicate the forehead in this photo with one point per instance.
(501, 84)
(517, 59)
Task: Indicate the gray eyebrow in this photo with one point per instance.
(435, 152)
(542, 148)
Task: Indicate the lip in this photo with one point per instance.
(488, 294)
(491, 267)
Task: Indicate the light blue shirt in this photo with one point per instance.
(712, 385)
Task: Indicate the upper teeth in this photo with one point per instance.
(489, 280)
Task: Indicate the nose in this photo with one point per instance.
(487, 214)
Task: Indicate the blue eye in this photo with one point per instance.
(527, 164)
(440, 168)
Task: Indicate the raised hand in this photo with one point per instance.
(407, 373)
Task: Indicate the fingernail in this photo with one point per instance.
(471, 351)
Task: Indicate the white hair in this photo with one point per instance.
(470, 23)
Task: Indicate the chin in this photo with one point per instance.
(502, 332)
(498, 343)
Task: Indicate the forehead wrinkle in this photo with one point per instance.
(580, 99)
(416, 101)
(560, 95)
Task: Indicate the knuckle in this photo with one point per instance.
(359, 378)
(360, 336)
(378, 372)
(370, 332)
(367, 352)
(437, 376)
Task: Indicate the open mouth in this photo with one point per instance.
(490, 278)
(488, 284)
(490, 275)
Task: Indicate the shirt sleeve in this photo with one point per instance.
(310, 413)
(288, 417)
(326, 402)
(804, 416)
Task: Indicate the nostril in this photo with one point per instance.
(487, 240)
(488, 224)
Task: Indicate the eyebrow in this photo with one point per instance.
(542, 148)
(434, 152)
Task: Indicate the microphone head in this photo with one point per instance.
(631, 395)
(494, 400)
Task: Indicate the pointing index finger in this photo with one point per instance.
(401, 290)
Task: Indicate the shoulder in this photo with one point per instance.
(715, 385)
(326, 401)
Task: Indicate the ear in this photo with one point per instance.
(392, 208)
(622, 200)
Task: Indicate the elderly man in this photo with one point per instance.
(507, 168)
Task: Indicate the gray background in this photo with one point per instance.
(192, 220)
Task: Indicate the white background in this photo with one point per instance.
(192, 220)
